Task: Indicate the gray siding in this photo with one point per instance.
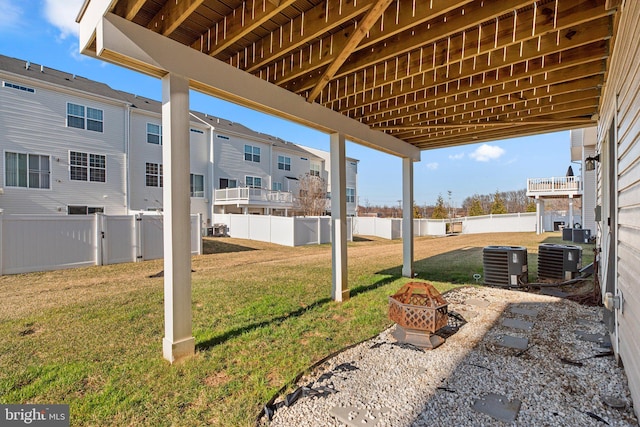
(621, 105)
(35, 123)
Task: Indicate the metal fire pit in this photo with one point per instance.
(419, 311)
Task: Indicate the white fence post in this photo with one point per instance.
(199, 234)
(99, 234)
(138, 237)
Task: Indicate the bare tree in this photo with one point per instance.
(312, 195)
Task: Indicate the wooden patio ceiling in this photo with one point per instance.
(433, 73)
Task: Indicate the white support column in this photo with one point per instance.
(407, 217)
(538, 216)
(340, 287)
(178, 341)
(571, 211)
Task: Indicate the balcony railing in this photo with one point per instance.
(560, 185)
(247, 195)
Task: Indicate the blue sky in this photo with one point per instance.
(45, 32)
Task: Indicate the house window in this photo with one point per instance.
(277, 186)
(87, 167)
(27, 170)
(253, 182)
(18, 87)
(228, 183)
(351, 195)
(78, 116)
(153, 175)
(154, 134)
(251, 153)
(83, 210)
(284, 163)
(314, 169)
(197, 185)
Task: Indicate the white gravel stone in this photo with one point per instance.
(405, 387)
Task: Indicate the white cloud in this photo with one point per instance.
(432, 166)
(11, 16)
(456, 156)
(486, 152)
(62, 15)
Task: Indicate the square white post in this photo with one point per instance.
(407, 217)
(178, 341)
(571, 211)
(340, 287)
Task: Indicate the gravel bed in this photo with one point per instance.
(383, 383)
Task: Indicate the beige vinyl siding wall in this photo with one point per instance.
(36, 123)
(622, 101)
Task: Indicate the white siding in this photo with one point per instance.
(621, 105)
(229, 160)
(35, 123)
(199, 158)
(140, 153)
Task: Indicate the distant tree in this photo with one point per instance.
(416, 211)
(498, 207)
(312, 195)
(531, 207)
(439, 212)
(476, 208)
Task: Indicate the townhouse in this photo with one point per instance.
(71, 145)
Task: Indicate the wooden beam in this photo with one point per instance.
(128, 9)
(580, 62)
(237, 24)
(385, 65)
(573, 110)
(353, 41)
(320, 53)
(489, 98)
(172, 15)
(299, 31)
(387, 47)
(135, 47)
(500, 124)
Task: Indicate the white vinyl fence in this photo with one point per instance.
(391, 228)
(52, 242)
(286, 231)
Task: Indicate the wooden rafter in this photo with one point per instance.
(301, 30)
(241, 21)
(431, 73)
(352, 42)
(464, 48)
(529, 90)
(172, 15)
(581, 61)
(129, 8)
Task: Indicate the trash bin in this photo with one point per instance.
(567, 234)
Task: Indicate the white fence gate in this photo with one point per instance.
(51, 242)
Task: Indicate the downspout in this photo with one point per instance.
(127, 149)
(211, 174)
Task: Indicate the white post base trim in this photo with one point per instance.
(176, 351)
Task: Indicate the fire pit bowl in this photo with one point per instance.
(419, 311)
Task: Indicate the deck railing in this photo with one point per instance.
(561, 184)
(253, 195)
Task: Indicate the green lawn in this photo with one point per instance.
(262, 314)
